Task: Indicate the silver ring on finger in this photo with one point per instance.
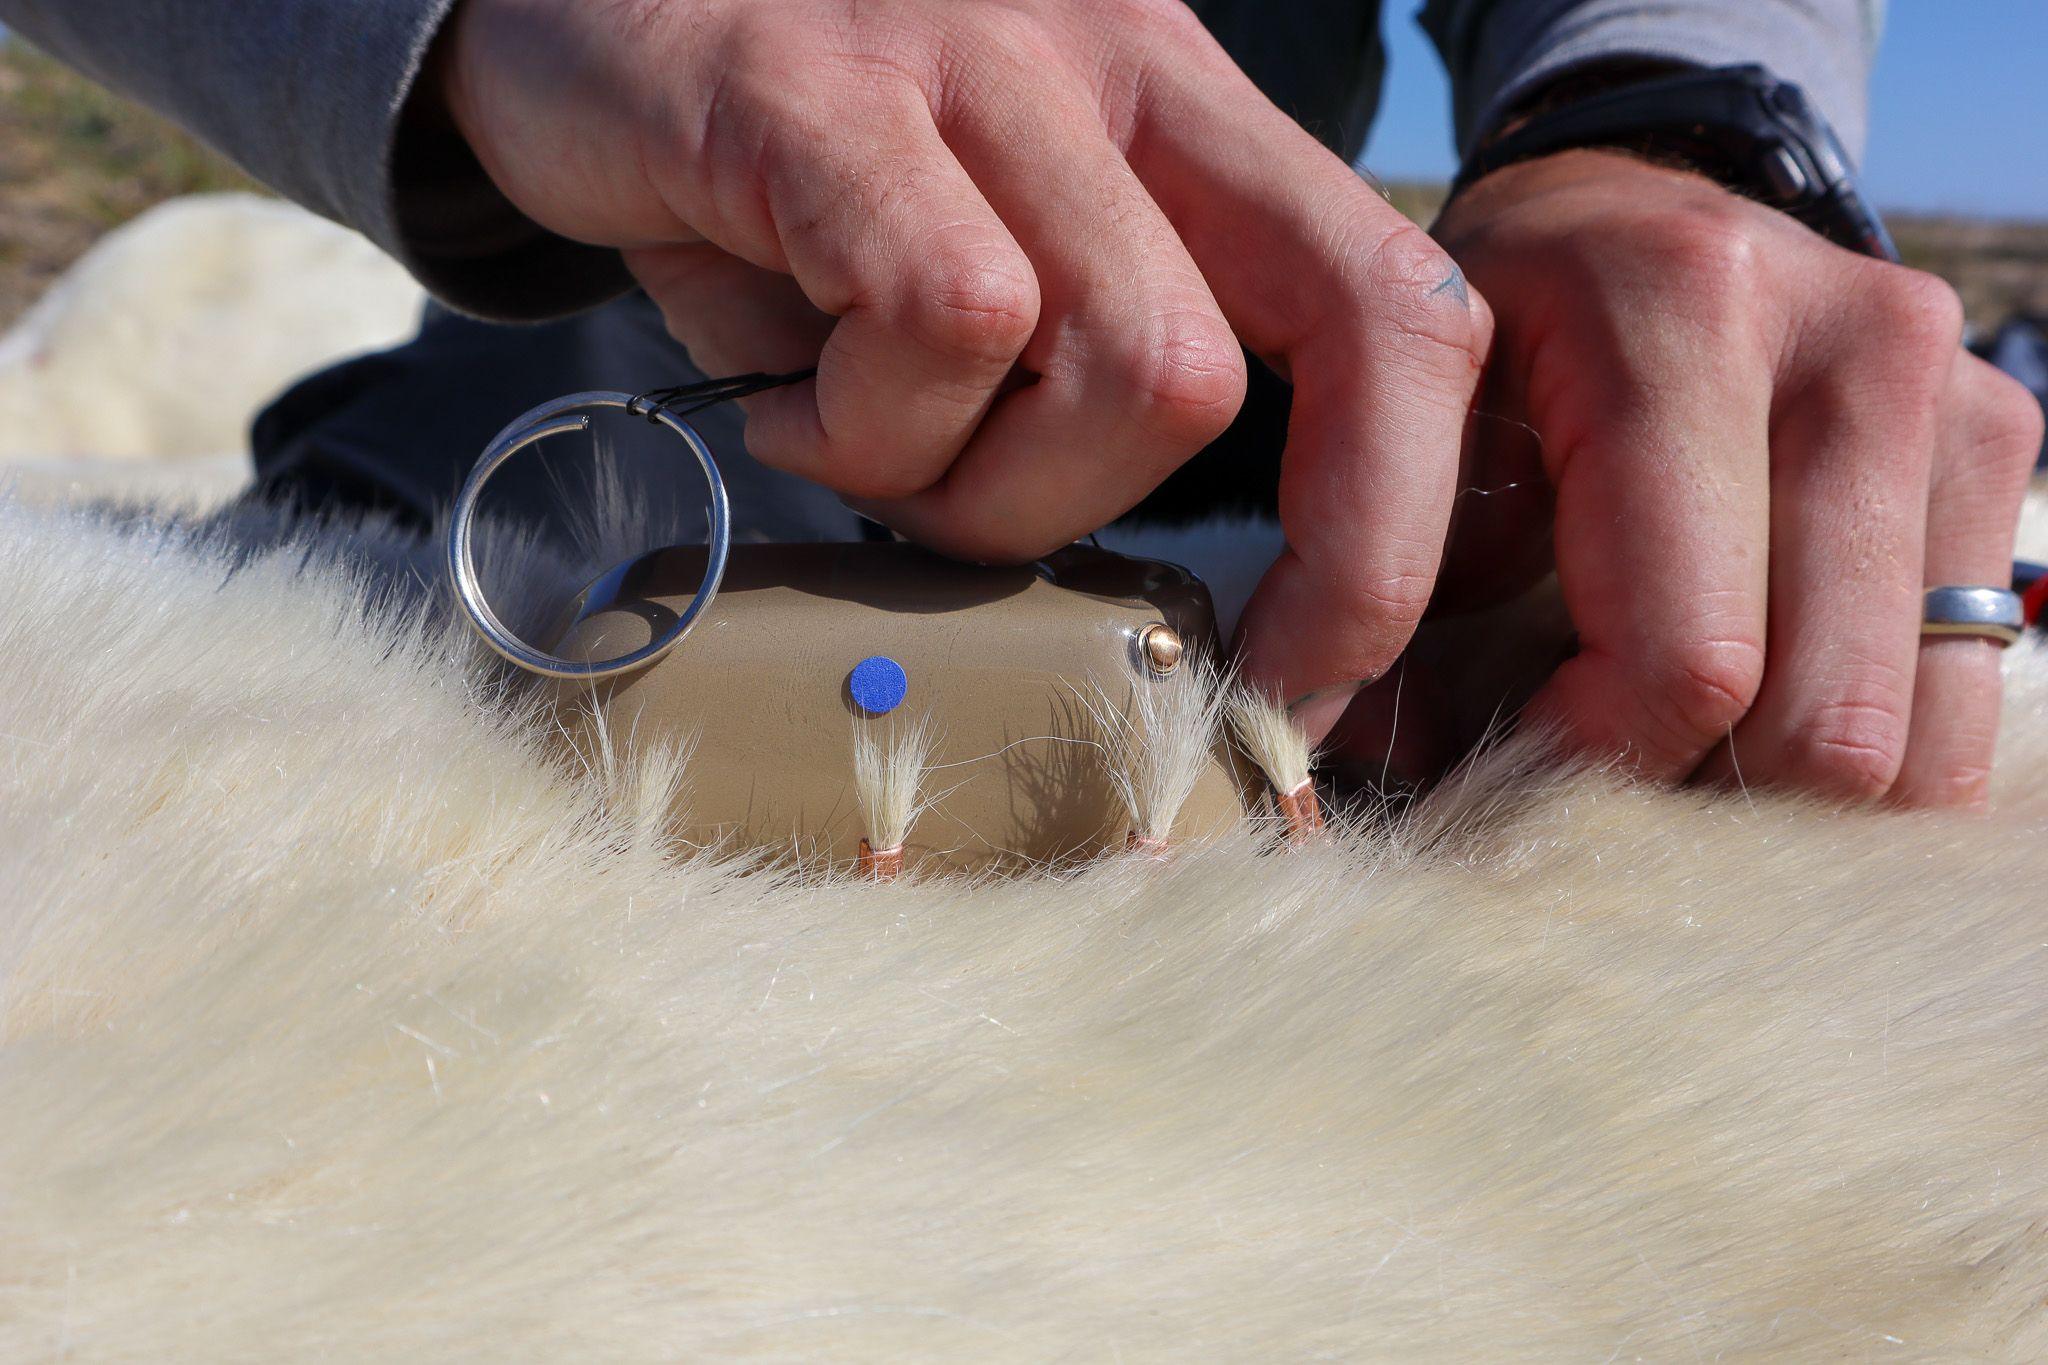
(1986, 613)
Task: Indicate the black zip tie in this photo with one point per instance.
(709, 393)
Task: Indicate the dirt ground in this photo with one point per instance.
(76, 161)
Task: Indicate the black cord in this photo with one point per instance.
(709, 393)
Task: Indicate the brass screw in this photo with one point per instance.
(1161, 647)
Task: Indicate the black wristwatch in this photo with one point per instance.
(1739, 125)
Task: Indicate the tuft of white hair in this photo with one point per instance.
(1156, 749)
(641, 783)
(890, 760)
(1270, 738)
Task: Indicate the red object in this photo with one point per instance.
(2035, 600)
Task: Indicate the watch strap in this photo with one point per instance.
(1738, 125)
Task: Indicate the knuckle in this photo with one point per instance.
(977, 306)
(1369, 611)
(1914, 309)
(1186, 386)
(1963, 785)
(755, 49)
(1713, 249)
(1408, 256)
(1851, 747)
(1420, 291)
(1397, 596)
(2011, 420)
(1708, 685)
(1982, 475)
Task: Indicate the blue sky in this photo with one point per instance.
(1959, 107)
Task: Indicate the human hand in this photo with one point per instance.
(1761, 448)
(1020, 241)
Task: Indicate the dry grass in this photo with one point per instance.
(76, 161)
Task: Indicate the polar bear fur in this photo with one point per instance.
(173, 330)
(338, 1018)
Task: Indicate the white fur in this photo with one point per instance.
(171, 333)
(335, 1020)
(338, 1020)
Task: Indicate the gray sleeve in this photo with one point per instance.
(308, 96)
(1498, 50)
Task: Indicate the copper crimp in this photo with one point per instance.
(880, 864)
(1302, 810)
(1135, 842)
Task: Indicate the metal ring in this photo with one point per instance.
(554, 419)
(1992, 613)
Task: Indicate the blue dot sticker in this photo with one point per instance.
(878, 685)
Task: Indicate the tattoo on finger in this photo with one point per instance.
(1454, 285)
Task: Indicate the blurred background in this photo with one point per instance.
(1960, 112)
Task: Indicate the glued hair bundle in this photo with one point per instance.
(890, 760)
(1271, 739)
(1157, 749)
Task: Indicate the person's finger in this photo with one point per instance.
(1852, 451)
(884, 231)
(1382, 340)
(1660, 460)
(733, 317)
(1984, 454)
(1134, 368)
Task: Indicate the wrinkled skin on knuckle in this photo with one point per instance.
(756, 49)
(1849, 747)
(1110, 48)
(972, 302)
(1960, 786)
(1412, 286)
(1396, 597)
(1184, 384)
(1586, 233)
(1702, 689)
(1697, 261)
